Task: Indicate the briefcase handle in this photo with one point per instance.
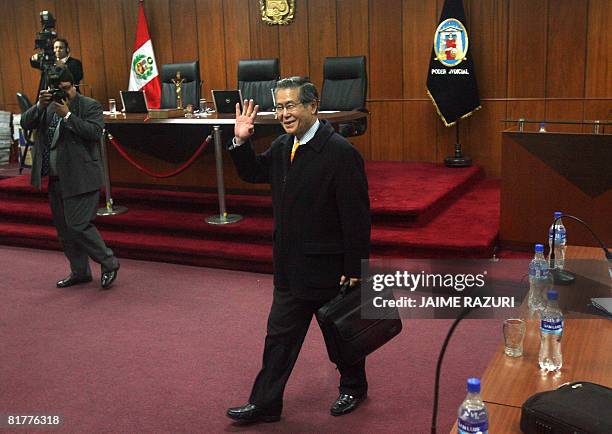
(345, 288)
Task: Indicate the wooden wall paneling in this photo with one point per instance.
(525, 109)
(419, 133)
(362, 143)
(160, 30)
(386, 49)
(11, 68)
(483, 141)
(488, 46)
(237, 37)
(564, 110)
(526, 48)
(130, 19)
(68, 25)
(184, 31)
(92, 54)
(419, 21)
(264, 37)
(352, 20)
(293, 43)
(115, 52)
(598, 63)
(26, 18)
(211, 45)
(386, 130)
(322, 43)
(566, 51)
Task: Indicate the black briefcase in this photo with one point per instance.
(348, 336)
(580, 408)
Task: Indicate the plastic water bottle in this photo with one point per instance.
(472, 415)
(540, 280)
(560, 241)
(551, 331)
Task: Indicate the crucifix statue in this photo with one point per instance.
(178, 88)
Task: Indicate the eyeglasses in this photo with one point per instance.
(290, 107)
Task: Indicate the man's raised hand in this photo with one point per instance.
(245, 120)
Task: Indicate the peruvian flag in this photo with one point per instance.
(143, 70)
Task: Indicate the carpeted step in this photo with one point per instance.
(165, 248)
(405, 194)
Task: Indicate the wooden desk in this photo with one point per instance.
(162, 145)
(587, 354)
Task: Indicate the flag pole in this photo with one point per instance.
(457, 160)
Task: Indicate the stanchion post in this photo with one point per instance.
(223, 218)
(110, 208)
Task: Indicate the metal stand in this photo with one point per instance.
(223, 218)
(458, 160)
(110, 208)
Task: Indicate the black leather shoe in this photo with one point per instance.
(108, 277)
(73, 279)
(250, 413)
(345, 404)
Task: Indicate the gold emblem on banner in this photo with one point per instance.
(280, 12)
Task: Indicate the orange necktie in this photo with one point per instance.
(294, 149)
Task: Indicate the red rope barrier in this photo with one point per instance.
(143, 169)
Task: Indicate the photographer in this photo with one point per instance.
(67, 152)
(61, 50)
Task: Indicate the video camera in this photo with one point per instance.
(53, 80)
(44, 41)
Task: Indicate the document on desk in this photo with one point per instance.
(265, 113)
(329, 111)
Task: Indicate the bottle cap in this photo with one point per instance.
(558, 214)
(539, 248)
(552, 294)
(473, 385)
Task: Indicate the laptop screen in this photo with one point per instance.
(134, 101)
(225, 100)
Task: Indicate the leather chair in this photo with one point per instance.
(256, 79)
(191, 88)
(24, 104)
(345, 86)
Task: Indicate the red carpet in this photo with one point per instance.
(419, 210)
(171, 347)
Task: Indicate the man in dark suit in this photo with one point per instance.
(61, 49)
(67, 151)
(321, 234)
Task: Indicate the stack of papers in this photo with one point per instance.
(6, 136)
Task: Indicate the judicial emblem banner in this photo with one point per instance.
(451, 80)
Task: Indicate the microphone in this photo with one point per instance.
(562, 277)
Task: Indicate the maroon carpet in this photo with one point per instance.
(419, 210)
(170, 347)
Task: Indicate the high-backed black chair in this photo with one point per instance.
(24, 104)
(256, 79)
(345, 85)
(191, 88)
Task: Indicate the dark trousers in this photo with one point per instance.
(288, 323)
(73, 219)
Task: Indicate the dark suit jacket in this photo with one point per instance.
(321, 209)
(78, 146)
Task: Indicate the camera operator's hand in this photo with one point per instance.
(44, 98)
(62, 108)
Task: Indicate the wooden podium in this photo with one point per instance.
(547, 172)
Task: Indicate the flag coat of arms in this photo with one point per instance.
(143, 69)
(451, 80)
